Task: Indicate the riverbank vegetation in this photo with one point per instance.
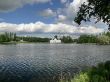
(7, 37)
(32, 39)
(87, 39)
(99, 73)
(67, 39)
(103, 38)
(13, 38)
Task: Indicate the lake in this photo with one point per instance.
(47, 62)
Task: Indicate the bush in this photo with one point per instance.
(87, 39)
(99, 73)
(82, 77)
(103, 39)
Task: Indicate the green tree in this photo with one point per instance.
(103, 39)
(67, 39)
(108, 34)
(7, 37)
(87, 39)
(33, 39)
(100, 9)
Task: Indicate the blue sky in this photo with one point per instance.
(44, 16)
(31, 13)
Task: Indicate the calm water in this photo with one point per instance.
(46, 62)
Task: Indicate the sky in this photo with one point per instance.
(45, 17)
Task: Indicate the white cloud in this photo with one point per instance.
(73, 8)
(9, 5)
(76, 4)
(69, 12)
(90, 30)
(64, 23)
(61, 18)
(48, 13)
(47, 28)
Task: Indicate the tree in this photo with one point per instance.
(66, 39)
(103, 39)
(87, 39)
(100, 9)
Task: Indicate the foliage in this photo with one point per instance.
(87, 39)
(100, 9)
(83, 77)
(34, 39)
(107, 34)
(7, 37)
(99, 73)
(66, 39)
(103, 39)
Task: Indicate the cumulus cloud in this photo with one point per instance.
(61, 18)
(9, 5)
(65, 18)
(90, 30)
(76, 4)
(70, 10)
(47, 28)
(48, 13)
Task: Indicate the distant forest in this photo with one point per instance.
(12, 37)
(102, 38)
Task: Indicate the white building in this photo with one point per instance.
(56, 41)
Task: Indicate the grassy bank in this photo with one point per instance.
(99, 73)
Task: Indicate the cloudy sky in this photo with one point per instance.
(45, 17)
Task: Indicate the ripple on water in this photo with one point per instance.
(47, 63)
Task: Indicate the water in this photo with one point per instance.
(47, 62)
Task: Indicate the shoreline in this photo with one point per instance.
(14, 42)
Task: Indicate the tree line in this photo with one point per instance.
(7, 37)
(33, 39)
(12, 37)
(102, 38)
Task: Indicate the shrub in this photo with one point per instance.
(99, 73)
(82, 77)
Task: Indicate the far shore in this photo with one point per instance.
(25, 42)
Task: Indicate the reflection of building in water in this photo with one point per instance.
(55, 40)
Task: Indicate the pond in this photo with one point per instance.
(47, 62)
